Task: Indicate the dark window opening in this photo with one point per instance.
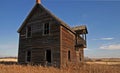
(69, 55)
(80, 59)
(28, 56)
(29, 32)
(46, 28)
(80, 54)
(48, 56)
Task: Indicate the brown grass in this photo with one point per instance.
(8, 59)
(94, 68)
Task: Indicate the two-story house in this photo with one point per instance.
(45, 39)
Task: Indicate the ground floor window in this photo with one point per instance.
(80, 59)
(81, 55)
(69, 55)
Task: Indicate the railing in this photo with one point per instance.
(80, 42)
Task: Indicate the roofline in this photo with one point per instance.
(26, 18)
(60, 21)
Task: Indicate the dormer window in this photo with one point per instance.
(28, 31)
(46, 30)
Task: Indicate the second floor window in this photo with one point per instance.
(46, 29)
(28, 32)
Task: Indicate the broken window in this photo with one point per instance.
(69, 55)
(28, 31)
(46, 28)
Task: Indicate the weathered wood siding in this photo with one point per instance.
(81, 42)
(67, 44)
(82, 54)
(59, 41)
(39, 43)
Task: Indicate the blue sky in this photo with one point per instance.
(101, 17)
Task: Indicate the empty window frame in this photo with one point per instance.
(69, 55)
(81, 55)
(28, 56)
(80, 58)
(28, 31)
(46, 28)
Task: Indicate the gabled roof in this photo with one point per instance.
(56, 18)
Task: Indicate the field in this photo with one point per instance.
(92, 68)
(104, 63)
(10, 66)
(8, 59)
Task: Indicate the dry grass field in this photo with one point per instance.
(9, 65)
(8, 59)
(104, 63)
(87, 68)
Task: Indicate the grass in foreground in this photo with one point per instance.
(94, 68)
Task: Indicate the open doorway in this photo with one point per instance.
(28, 56)
(48, 56)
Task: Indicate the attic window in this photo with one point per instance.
(28, 32)
(46, 29)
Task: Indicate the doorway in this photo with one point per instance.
(48, 56)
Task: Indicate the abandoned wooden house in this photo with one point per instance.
(45, 39)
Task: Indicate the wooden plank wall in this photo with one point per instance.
(59, 41)
(38, 43)
(67, 43)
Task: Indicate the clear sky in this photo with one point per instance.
(101, 17)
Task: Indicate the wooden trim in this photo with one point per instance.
(56, 18)
(25, 21)
(60, 46)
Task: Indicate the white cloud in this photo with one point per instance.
(107, 38)
(104, 39)
(111, 47)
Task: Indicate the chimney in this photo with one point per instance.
(38, 1)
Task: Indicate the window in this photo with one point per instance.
(28, 32)
(69, 55)
(28, 56)
(81, 55)
(80, 59)
(46, 28)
